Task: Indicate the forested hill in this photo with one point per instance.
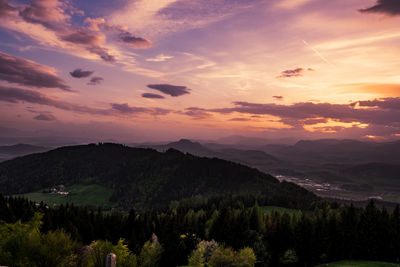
(144, 177)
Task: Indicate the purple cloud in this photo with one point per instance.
(79, 73)
(291, 73)
(298, 72)
(17, 95)
(52, 14)
(89, 40)
(196, 113)
(388, 7)
(56, 16)
(314, 121)
(126, 109)
(102, 53)
(168, 89)
(240, 119)
(95, 80)
(45, 117)
(150, 95)
(5, 8)
(29, 73)
(133, 41)
(386, 112)
(385, 103)
(49, 13)
(81, 36)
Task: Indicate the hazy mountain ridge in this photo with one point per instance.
(349, 165)
(9, 152)
(338, 151)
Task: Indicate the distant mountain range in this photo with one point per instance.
(355, 169)
(347, 169)
(337, 151)
(9, 152)
(254, 158)
(143, 177)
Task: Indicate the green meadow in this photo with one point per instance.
(79, 194)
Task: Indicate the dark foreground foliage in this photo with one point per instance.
(326, 233)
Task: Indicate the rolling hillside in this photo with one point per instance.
(143, 177)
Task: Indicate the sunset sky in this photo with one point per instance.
(152, 70)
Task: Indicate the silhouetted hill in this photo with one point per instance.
(142, 177)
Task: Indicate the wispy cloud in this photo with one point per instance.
(291, 4)
(196, 113)
(156, 18)
(95, 80)
(318, 53)
(297, 72)
(159, 58)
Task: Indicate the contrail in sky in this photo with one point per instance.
(318, 53)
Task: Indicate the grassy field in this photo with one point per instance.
(82, 195)
(359, 264)
(270, 209)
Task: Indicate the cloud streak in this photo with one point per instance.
(297, 72)
(18, 95)
(127, 109)
(159, 58)
(150, 95)
(168, 89)
(25, 72)
(196, 113)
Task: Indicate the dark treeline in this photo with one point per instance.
(328, 232)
